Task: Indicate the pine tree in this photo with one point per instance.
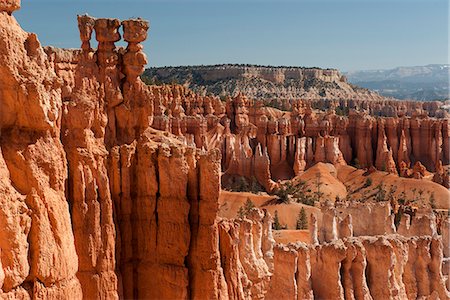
(432, 201)
(318, 194)
(302, 222)
(276, 222)
(241, 212)
(248, 205)
(245, 209)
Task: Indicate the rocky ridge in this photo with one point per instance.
(98, 204)
(278, 84)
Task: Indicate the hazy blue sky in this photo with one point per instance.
(343, 34)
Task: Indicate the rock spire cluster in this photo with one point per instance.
(110, 188)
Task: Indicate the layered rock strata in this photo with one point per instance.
(96, 204)
(277, 84)
(390, 135)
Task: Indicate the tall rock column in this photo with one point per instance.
(135, 114)
(206, 278)
(38, 257)
(363, 140)
(106, 33)
(84, 122)
(384, 158)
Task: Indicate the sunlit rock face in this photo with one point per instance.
(110, 187)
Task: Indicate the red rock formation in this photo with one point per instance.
(296, 141)
(97, 204)
(38, 254)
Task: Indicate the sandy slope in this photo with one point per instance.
(230, 202)
(343, 181)
(354, 180)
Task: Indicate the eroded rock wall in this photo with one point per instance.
(97, 204)
(383, 267)
(38, 255)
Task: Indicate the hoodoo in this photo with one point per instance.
(110, 187)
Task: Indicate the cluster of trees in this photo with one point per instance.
(245, 209)
(242, 184)
(278, 104)
(301, 223)
(151, 80)
(299, 192)
(342, 111)
(400, 202)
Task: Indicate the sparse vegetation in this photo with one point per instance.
(432, 201)
(380, 194)
(242, 184)
(288, 192)
(150, 81)
(401, 198)
(245, 209)
(318, 194)
(276, 222)
(302, 221)
(274, 104)
(368, 182)
(355, 163)
(397, 218)
(341, 111)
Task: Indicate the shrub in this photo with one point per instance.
(380, 194)
(368, 182)
(288, 192)
(285, 191)
(356, 163)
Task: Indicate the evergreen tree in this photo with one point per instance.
(241, 212)
(432, 201)
(241, 184)
(318, 194)
(302, 222)
(276, 222)
(248, 205)
(245, 209)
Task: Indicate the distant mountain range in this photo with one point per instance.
(430, 82)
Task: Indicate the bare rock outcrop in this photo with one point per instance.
(383, 267)
(38, 256)
(95, 203)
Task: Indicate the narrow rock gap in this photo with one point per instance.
(117, 220)
(69, 188)
(194, 220)
(342, 278)
(296, 275)
(367, 275)
(134, 195)
(158, 193)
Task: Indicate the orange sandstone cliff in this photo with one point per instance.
(98, 204)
